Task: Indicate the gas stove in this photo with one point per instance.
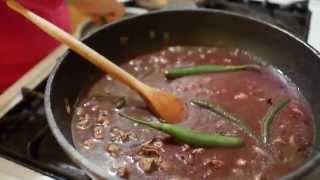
(26, 143)
(294, 17)
(26, 139)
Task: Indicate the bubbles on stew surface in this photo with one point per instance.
(132, 151)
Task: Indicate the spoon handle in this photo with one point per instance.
(88, 53)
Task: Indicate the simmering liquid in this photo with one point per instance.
(133, 151)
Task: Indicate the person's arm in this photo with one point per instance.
(42, 4)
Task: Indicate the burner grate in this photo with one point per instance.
(34, 146)
(294, 17)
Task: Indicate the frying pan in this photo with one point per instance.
(195, 27)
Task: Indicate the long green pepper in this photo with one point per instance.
(212, 107)
(189, 136)
(269, 117)
(209, 68)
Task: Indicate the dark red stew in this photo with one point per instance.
(129, 150)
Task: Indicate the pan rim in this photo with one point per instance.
(303, 170)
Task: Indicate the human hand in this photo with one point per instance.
(100, 10)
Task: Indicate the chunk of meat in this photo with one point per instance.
(162, 164)
(151, 148)
(113, 149)
(185, 147)
(123, 171)
(147, 164)
(104, 118)
(214, 163)
(98, 132)
(197, 151)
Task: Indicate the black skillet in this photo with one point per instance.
(197, 27)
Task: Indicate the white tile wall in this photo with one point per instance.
(314, 34)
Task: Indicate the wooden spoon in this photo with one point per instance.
(162, 103)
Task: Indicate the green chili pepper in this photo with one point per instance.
(226, 115)
(269, 117)
(190, 136)
(210, 68)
